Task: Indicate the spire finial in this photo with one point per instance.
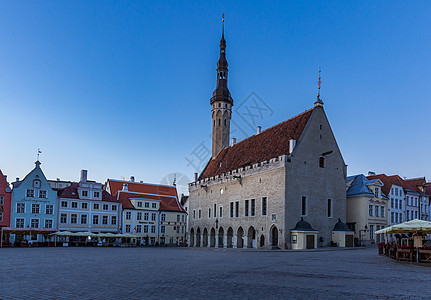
(222, 20)
(319, 102)
(38, 153)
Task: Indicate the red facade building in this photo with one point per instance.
(5, 201)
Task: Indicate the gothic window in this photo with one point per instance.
(224, 122)
(219, 122)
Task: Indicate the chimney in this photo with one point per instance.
(233, 141)
(292, 144)
(371, 173)
(58, 179)
(196, 177)
(17, 179)
(83, 176)
(259, 129)
(125, 187)
(132, 178)
(5, 177)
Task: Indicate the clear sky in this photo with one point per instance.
(122, 88)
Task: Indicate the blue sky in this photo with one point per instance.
(122, 88)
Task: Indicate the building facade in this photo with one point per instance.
(397, 198)
(85, 206)
(152, 213)
(34, 206)
(366, 208)
(5, 201)
(253, 193)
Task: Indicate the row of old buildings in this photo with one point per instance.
(34, 208)
(377, 201)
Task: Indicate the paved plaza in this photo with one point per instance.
(182, 273)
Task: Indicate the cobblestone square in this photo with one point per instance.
(184, 273)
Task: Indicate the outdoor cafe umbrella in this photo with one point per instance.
(413, 226)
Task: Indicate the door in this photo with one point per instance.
(310, 241)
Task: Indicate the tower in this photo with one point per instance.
(221, 104)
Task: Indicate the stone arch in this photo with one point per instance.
(239, 238)
(262, 241)
(251, 237)
(220, 237)
(212, 237)
(230, 237)
(192, 238)
(205, 238)
(273, 236)
(198, 237)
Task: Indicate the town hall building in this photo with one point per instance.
(284, 187)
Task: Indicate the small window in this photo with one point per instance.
(63, 203)
(219, 122)
(225, 122)
(221, 212)
(84, 205)
(236, 209)
(153, 205)
(96, 194)
(264, 204)
(304, 206)
(321, 162)
(329, 208)
(253, 208)
(84, 193)
(74, 204)
(96, 206)
(147, 204)
(139, 203)
(246, 208)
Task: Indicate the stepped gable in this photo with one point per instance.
(270, 143)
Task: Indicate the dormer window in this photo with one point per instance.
(376, 192)
(84, 193)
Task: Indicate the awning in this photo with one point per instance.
(413, 226)
(28, 230)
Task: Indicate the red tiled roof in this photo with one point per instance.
(417, 182)
(387, 183)
(270, 143)
(405, 184)
(117, 185)
(169, 203)
(428, 188)
(71, 192)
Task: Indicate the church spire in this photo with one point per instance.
(221, 103)
(221, 93)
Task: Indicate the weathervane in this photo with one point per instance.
(38, 153)
(319, 82)
(222, 17)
